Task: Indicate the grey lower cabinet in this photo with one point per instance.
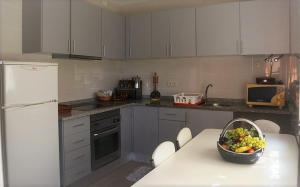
(198, 120)
(75, 150)
(126, 132)
(168, 130)
(145, 132)
(171, 121)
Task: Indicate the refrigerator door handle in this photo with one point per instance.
(28, 105)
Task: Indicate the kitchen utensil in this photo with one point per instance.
(137, 82)
(155, 95)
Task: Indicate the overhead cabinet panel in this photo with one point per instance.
(160, 34)
(265, 26)
(85, 28)
(218, 30)
(295, 26)
(183, 32)
(139, 29)
(113, 35)
(56, 26)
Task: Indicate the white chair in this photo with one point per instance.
(162, 152)
(267, 126)
(183, 137)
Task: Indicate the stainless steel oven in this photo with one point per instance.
(105, 138)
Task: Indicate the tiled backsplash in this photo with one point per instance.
(81, 79)
(228, 74)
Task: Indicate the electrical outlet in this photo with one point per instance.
(257, 65)
(171, 84)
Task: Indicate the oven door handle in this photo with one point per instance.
(116, 129)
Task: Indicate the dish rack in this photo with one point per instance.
(188, 98)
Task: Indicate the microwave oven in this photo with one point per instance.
(265, 95)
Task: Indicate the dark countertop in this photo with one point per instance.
(233, 105)
(82, 108)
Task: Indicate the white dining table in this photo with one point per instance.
(199, 164)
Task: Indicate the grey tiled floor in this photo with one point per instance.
(112, 175)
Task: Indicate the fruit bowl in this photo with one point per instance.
(245, 152)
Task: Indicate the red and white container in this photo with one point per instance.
(188, 98)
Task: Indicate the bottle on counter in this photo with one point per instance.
(155, 94)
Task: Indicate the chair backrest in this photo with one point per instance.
(184, 136)
(162, 152)
(267, 126)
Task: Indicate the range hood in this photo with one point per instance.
(136, 6)
(75, 57)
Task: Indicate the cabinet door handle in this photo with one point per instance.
(69, 46)
(130, 51)
(170, 114)
(241, 47)
(171, 50)
(78, 125)
(104, 50)
(74, 46)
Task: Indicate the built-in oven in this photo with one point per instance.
(105, 138)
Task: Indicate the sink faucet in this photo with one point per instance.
(206, 90)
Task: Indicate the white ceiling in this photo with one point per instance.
(135, 6)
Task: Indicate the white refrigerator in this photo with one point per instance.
(29, 124)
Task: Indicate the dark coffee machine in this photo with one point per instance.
(130, 89)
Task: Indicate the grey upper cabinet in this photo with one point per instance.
(295, 26)
(85, 28)
(218, 30)
(56, 26)
(198, 120)
(160, 40)
(145, 132)
(31, 26)
(183, 32)
(265, 27)
(113, 35)
(139, 36)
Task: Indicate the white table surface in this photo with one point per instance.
(198, 163)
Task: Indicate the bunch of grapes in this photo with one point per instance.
(249, 141)
(237, 133)
(243, 138)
